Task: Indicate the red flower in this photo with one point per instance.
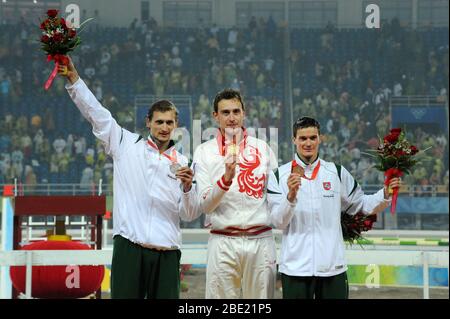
(63, 24)
(396, 131)
(391, 138)
(45, 39)
(368, 223)
(72, 33)
(44, 24)
(52, 13)
(400, 153)
(58, 37)
(392, 172)
(414, 150)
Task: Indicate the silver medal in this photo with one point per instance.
(174, 168)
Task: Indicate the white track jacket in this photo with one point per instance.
(243, 205)
(148, 199)
(312, 242)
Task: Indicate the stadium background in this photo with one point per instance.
(289, 58)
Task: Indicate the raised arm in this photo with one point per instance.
(188, 206)
(210, 193)
(104, 125)
(354, 200)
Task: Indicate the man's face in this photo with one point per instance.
(307, 142)
(161, 125)
(230, 115)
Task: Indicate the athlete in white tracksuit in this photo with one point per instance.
(312, 255)
(241, 250)
(152, 192)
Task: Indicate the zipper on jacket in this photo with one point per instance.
(150, 215)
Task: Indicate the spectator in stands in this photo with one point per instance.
(87, 178)
(79, 145)
(398, 89)
(232, 39)
(5, 88)
(17, 162)
(59, 144)
(36, 122)
(26, 145)
(271, 27)
(9, 122)
(30, 178)
(5, 141)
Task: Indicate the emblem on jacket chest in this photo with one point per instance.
(326, 186)
(250, 183)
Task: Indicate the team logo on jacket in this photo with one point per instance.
(326, 186)
(249, 183)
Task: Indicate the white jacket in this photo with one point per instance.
(243, 204)
(148, 199)
(312, 243)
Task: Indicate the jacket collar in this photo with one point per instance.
(151, 143)
(306, 166)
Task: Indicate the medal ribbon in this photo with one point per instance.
(314, 173)
(172, 157)
(223, 148)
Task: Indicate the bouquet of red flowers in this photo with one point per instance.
(352, 226)
(395, 158)
(57, 40)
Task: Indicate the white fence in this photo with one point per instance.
(196, 254)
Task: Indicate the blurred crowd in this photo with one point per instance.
(43, 138)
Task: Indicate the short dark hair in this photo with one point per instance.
(162, 106)
(305, 122)
(227, 94)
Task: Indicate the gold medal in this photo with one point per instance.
(232, 149)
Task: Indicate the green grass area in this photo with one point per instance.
(408, 242)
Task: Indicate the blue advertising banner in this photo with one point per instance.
(422, 205)
(419, 115)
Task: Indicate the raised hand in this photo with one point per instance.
(294, 182)
(186, 175)
(69, 71)
(396, 182)
(230, 167)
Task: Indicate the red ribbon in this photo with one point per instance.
(314, 173)
(59, 59)
(390, 174)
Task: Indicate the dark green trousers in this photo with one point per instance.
(334, 287)
(138, 272)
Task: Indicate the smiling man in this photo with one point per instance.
(231, 174)
(152, 191)
(312, 255)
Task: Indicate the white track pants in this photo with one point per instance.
(240, 267)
